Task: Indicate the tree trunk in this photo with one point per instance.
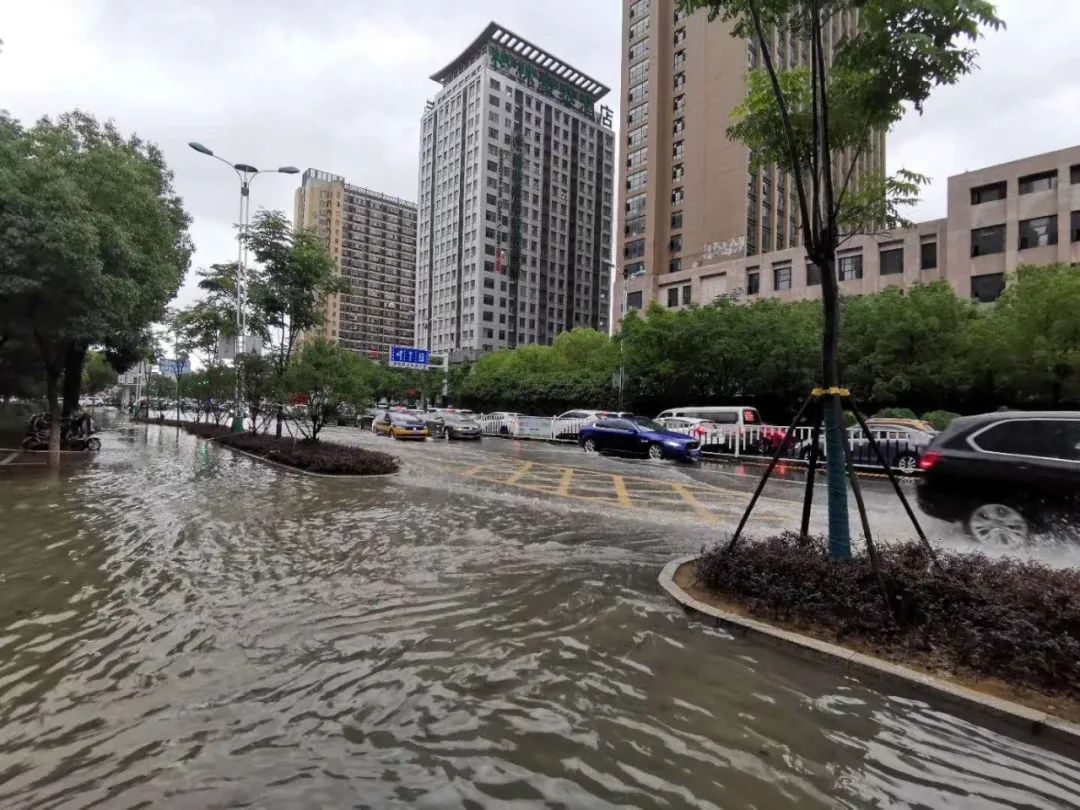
(835, 477)
(74, 358)
(52, 389)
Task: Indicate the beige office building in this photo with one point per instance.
(1023, 212)
(688, 195)
(372, 238)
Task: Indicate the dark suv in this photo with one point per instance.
(1006, 475)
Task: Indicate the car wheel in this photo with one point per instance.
(764, 448)
(656, 452)
(907, 463)
(998, 524)
(504, 430)
(589, 446)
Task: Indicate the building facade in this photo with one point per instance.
(515, 201)
(372, 238)
(689, 194)
(1023, 212)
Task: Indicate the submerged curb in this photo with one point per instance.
(1038, 724)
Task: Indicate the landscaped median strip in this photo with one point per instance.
(1037, 723)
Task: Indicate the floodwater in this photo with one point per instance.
(184, 627)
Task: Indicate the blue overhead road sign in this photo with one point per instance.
(405, 357)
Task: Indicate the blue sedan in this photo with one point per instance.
(638, 435)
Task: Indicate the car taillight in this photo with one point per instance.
(929, 460)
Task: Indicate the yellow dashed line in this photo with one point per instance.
(519, 473)
(620, 491)
(564, 482)
(694, 503)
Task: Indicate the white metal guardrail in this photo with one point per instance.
(758, 440)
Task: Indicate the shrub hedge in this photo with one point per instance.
(1003, 618)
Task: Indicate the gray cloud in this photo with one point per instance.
(341, 86)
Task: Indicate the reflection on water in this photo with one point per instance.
(183, 627)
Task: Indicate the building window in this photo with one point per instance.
(639, 29)
(638, 114)
(1038, 232)
(987, 288)
(677, 197)
(850, 268)
(634, 227)
(680, 80)
(635, 205)
(633, 300)
(680, 59)
(687, 293)
(1074, 174)
(676, 243)
(677, 174)
(753, 282)
(813, 275)
(892, 262)
(679, 106)
(928, 255)
(634, 249)
(782, 277)
(677, 151)
(673, 296)
(678, 127)
(634, 269)
(637, 137)
(988, 193)
(636, 180)
(985, 241)
(1074, 225)
(639, 71)
(680, 36)
(1044, 181)
(675, 265)
(676, 219)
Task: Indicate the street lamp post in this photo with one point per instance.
(246, 172)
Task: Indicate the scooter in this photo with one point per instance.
(76, 432)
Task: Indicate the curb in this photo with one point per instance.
(1045, 727)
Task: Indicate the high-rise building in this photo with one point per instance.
(372, 237)
(515, 200)
(689, 197)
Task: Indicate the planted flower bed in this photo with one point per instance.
(1005, 620)
(319, 457)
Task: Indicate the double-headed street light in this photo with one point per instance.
(246, 172)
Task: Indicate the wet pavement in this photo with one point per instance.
(181, 626)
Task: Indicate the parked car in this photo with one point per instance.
(401, 425)
(345, 415)
(1005, 475)
(738, 416)
(901, 446)
(568, 425)
(458, 426)
(637, 435)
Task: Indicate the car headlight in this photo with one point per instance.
(673, 443)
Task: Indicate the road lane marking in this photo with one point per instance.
(564, 481)
(694, 503)
(9, 459)
(520, 473)
(620, 491)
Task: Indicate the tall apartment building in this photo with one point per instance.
(372, 237)
(515, 200)
(689, 195)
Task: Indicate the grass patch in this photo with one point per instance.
(1009, 620)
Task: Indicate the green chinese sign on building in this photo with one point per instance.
(540, 80)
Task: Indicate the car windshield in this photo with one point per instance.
(458, 419)
(646, 423)
(405, 419)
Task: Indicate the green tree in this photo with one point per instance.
(290, 287)
(93, 243)
(325, 375)
(262, 384)
(1033, 335)
(804, 117)
(910, 347)
(98, 374)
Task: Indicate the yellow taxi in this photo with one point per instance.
(400, 426)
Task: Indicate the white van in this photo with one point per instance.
(727, 416)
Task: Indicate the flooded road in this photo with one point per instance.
(181, 626)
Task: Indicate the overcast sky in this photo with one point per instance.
(341, 86)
